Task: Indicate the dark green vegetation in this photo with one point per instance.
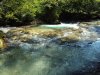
(23, 12)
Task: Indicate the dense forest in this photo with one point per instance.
(23, 12)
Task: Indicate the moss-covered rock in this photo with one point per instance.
(71, 35)
(70, 38)
(28, 33)
(2, 44)
(24, 34)
(2, 41)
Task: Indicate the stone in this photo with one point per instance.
(2, 40)
(2, 44)
(71, 38)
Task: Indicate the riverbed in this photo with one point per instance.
(67, 49)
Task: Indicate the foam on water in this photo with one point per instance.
(6, 29)
(62, 25)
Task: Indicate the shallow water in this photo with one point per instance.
(45, 56)
(49, 59)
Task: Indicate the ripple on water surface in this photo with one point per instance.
(52, 59)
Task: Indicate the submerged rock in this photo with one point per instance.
(71, 36)
(64, 35)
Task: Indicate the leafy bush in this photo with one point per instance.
(19, 10)
(49, 11)
(81, 6)
(80, 9)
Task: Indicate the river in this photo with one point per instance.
(48, 55)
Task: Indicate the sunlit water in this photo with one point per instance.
(45, 56)
(62, 25)
(51, 59)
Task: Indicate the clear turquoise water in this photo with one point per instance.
(49, 59)
(46, 56)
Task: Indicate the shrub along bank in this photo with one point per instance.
(23, 12)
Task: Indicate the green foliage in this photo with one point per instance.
(48, 11)
(28, 10)
(19, 10)
(81, 6)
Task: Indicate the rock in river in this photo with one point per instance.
(2, 41)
